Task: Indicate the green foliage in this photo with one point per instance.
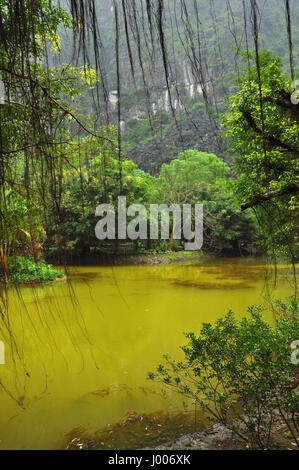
(44, 111)
(195, 177)
(24, 233)
(139, 132)
(240, 372)
(23, 269)
(92, 180)
(202, 178)
(263, 130)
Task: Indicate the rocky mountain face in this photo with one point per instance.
(158, 120)
(180, 122)
(195, 132)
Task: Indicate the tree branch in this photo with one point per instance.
(257, 200)
(57, 103)
(271, 139)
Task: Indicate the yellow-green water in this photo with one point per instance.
(80, 352)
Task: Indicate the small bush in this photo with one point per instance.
(240, 372)
(22, 269)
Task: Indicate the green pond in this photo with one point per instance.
(78, 352)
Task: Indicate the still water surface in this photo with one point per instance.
(79, 352)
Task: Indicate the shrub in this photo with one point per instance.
(22, 269)
(240, 372)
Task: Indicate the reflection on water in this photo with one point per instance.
(80, 351)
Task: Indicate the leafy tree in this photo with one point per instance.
(40, 114)
(262, 123)
(201, 178)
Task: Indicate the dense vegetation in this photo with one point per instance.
(267, 148)
(60, 165)
(26, 270)
(210, 127)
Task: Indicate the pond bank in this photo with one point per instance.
(157, 258)
(134, 259)
(217, 437)
(37, 283)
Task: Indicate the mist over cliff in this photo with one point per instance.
(204, 41)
